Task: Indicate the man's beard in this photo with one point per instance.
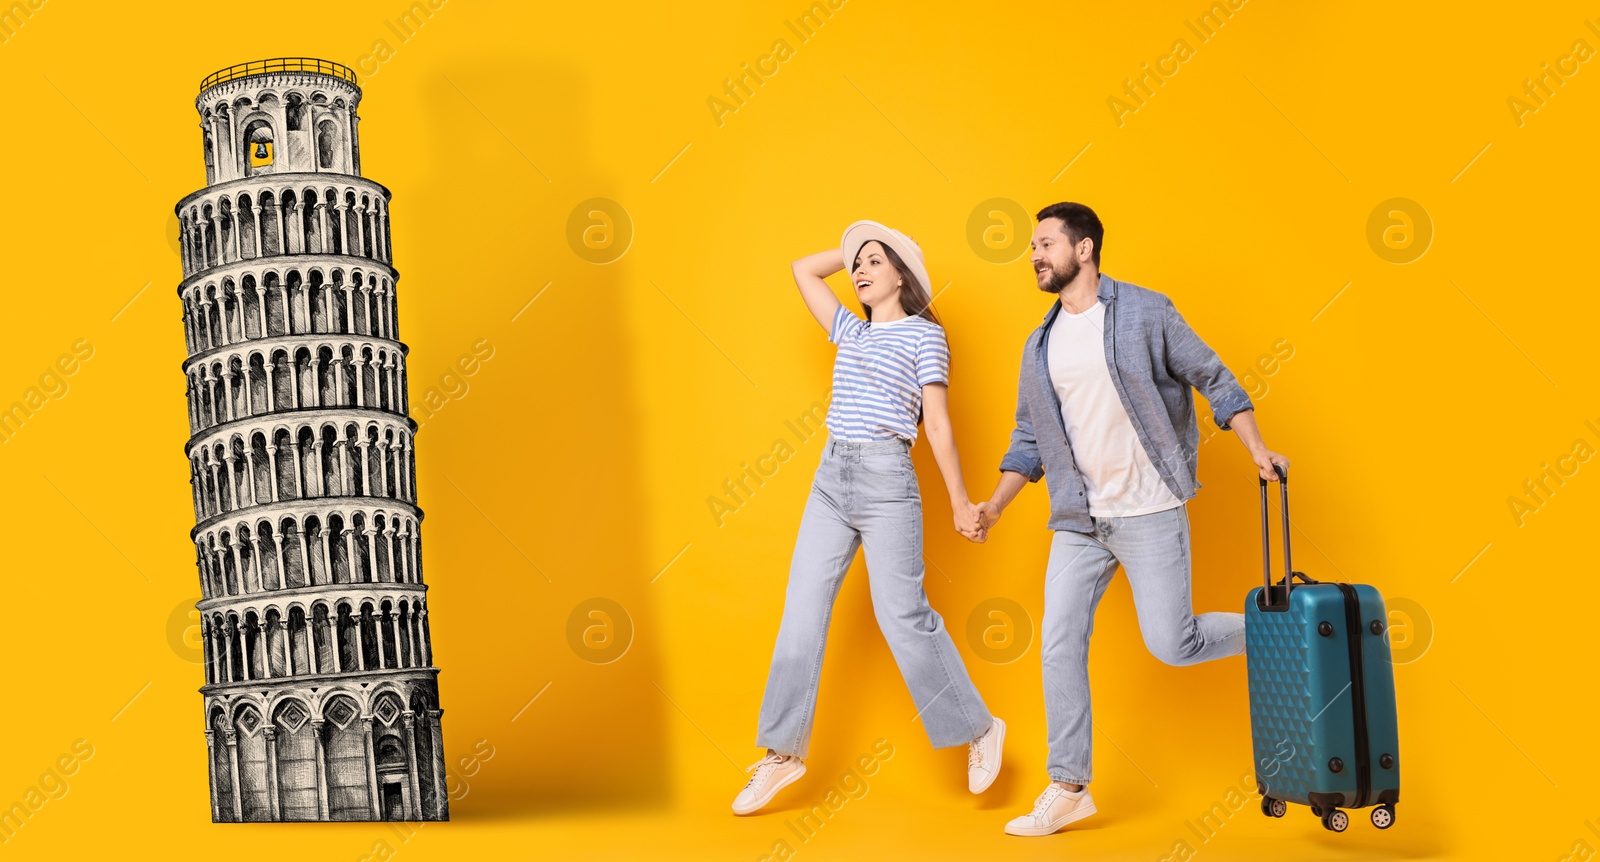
(1058, 279)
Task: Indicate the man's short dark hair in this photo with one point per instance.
(1079, 222)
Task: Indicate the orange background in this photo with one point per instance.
(577, 462)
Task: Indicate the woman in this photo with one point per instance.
(889, 375)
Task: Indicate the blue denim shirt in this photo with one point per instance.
(1156, 363)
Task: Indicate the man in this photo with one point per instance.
(1105, 413)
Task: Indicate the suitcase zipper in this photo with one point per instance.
(1358, 694)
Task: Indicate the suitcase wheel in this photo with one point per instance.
(1273, 807)
(1336, 820)
(1383, 816)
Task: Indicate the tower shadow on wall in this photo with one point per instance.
(550, 452)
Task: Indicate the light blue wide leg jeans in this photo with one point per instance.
(865, 494)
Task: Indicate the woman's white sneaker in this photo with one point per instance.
(771, 774)
(983, 757)
(1055, 808)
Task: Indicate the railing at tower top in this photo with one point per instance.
(279, 64)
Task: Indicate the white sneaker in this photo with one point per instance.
(772, 773)
(1055, 808)
(983, 757)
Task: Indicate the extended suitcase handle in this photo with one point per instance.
(1266, 544)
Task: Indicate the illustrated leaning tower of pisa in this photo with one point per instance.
(321, 699)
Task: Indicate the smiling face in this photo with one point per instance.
(1056, 258)
(876, 280)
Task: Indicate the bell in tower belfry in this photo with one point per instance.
(321, 696)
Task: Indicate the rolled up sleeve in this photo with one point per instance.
(1023, 454)
(1193, 362)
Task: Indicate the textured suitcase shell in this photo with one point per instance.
(1302, 699)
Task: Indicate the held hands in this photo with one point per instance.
(974, 521)
(968, 521)
(988, 514)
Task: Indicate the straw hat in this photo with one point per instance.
(862, 232)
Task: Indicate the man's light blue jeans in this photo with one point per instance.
(1154, 551)
(865, 494)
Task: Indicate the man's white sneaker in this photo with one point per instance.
(983, 757)
(772, 773)
(1055, 808)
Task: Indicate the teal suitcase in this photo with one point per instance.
(1322, 704)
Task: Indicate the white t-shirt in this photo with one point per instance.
(1118, 476)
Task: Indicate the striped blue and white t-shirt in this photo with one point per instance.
(879, 373)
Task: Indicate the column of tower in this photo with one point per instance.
(321, 698)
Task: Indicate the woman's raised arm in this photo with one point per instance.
(809, 272)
